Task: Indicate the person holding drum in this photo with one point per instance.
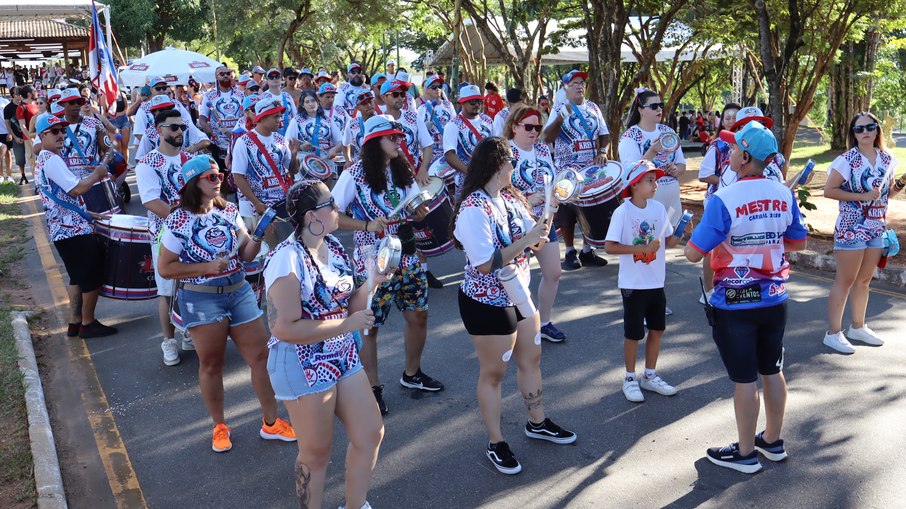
(463, 133)
(313, 312)
(370, 190)
(263, 164)
(204, 244)
(354, 134)
(69, 227)
(157, 176)
(313, 131)
(86, 139)
(193, 141)
(494, 227)
(433, 117)
(144, 117)
(580, 137)
(221, 110)
(534, 164)
(862, 180)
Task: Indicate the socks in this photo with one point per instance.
(570, 250)
(586, 248)
(650, 373)
(630, 376)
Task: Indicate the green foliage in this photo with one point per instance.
(140, 22)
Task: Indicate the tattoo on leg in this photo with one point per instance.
(532, 400)
(75, 305)
(303, 478)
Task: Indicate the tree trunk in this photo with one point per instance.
(772, 75)
(840, 97)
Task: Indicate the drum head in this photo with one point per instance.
(669, 141)
(601, 180)
(316, 167)
(389, 253)
(126, 222)
(567, 186)
(435, 187)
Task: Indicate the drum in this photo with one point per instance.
(103, 198)
(601, 183)
(669, 141)
(254, 272)
(432, 236)
(117, 165)
(129, 270)
(595, 220)
(567, 186)
(316, 167)
(442, 169)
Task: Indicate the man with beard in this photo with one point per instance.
(194, 139)
(465, 131)
(354, 85)
(144, 119)
(306, 82)
(157, 175)
(86, 139)
(274, 88)
(354, 135)
(221, 108)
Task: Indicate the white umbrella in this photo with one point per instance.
(175, 65)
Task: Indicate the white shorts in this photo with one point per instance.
(165, 287)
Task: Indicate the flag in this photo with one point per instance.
(102, 70)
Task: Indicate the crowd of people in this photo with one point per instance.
(276, 161)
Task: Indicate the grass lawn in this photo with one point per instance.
(17, 483)
(823, 156)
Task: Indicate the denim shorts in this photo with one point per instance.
(239, 307)
(875, 243)
(288, 378)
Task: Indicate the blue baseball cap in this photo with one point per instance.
(378, 77)
(250, 101)
(45, 122)
(432, 79)
(571, 75)
(327, 88)
(754, 138)
(195, 167)
(157, 80)
(390, 86)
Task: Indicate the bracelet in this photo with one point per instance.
(367, 224)
(899, 184)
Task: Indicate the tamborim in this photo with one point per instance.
(670, 142)
(317, 167)
(389, 254)
(568, 184)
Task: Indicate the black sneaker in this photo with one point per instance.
(549, 431)
(571, 261)
(23, 180)
(96, 330)
(502, 458)
(421, 381)
(433, 282)
(729, 457)
(592, 259)
(378, 391)
(773, 451)
(72, 329)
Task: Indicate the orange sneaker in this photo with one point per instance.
(221, 439)
(281, 430)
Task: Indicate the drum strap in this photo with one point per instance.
(52, 195)
(316, 138)
(270, 161)
(585, 126)
(434, 118)
(75, 144)
(471, 127)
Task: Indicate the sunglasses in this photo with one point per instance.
(56, 131)
(328, 203)
(532, 127)
(355, 71)
(394, 138)
(396, 95)
(223, 74)
(291, 77)
(161, 88)
(475, 102)
(434, 87)
(175, 127)
(859, 129)
(512, 160)
(214, 178)
(655, 106)
(274, 76)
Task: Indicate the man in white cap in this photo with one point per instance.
(157, 176)
(263, 164)
(221, 108)
(390, 70)
(274, 88)
(69, 227)
(433, 116)
(353, 86)
(144, 119)
(194, 139)
(465, 131)
(258, 75)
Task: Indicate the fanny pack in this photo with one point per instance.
(406, 234)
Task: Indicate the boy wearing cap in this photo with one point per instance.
(433, 117)
(69, 227)
(354, 85)
(748, 227)
(639, 232)
(274, 88)
(193, 141)
(465, 131)
(144, 118)
(221, 109)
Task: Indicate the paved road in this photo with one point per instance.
(844, 424)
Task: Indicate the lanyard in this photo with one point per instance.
(316, 138)
(434, 118)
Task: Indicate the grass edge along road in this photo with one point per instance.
(17, 482)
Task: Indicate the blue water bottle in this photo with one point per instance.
(681, 227)
(809, 166)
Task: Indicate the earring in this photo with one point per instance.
(319, 233)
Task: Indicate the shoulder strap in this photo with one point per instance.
(270, 161)
(316, 139)
(585, 127)
(52, 195)
(471, 127)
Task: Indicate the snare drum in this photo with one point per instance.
(103, 198)
(316, 167)
(129, 271)
(254, 272)
(432, 236)
(442, 169)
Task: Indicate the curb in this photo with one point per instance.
(895, 276)
(48, 478)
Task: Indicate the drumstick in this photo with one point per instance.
(548, 197)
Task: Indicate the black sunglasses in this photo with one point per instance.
(328, 203)
(355, 71)
(396, 94)
(512, 160)
(161, 88)
(56, 131)
(859, 129)
(530, 127)
(435, 87)
(656, 106)
(475, 102)
(176, 127)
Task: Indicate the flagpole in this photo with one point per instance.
(109, 31)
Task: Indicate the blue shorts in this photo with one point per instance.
(239, 307)
(120, 121)
(875, 243)
(288, 378)
(552, 234)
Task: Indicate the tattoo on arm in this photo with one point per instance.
(303, 479)
(532, 399)
(271, 313)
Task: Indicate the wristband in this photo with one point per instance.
(367, 224)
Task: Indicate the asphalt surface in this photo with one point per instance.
(844, 427)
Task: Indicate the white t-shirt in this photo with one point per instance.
(636, 141)
(499, 120)
(632, 226)
(474, 230)
(344, 190)
(157, 177)
(451, 134)
(151, 141)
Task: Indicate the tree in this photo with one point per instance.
(149, 23)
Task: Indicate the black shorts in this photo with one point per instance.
(8, 143)
(640, 306)
(486, 320)
(750, 341)
(19, 151)
(565, 217)
(84, 260)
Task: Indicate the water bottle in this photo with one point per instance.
(681, 227)
(809, 166)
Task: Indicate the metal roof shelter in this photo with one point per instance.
(50, 36)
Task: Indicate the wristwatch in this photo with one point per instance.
(602, 150)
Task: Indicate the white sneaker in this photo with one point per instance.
(632, 392)
(667, 311)
(865, 335)
(704, 299)
(838, 342)
(186, 343)
(171, 351)
(657, 384)
(10, 180)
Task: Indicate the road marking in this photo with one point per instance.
(831, 280)
(123, 481)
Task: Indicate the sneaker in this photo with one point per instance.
(551, 333)
(72, 329)
(591, 259)
(421, 381)
(838, 342)
(706, 298)
(632, 392)
(171, 351)
(502, 458)
(186, 343)
(280, 430)
(657, 384)
(667, 311)
(773, 451)
(571, 261)
(729, 457)
(865, 335)
(433, 282)
(549, 431)
(378, 391)
(220, 442)
(96, 330)
(10, 180)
